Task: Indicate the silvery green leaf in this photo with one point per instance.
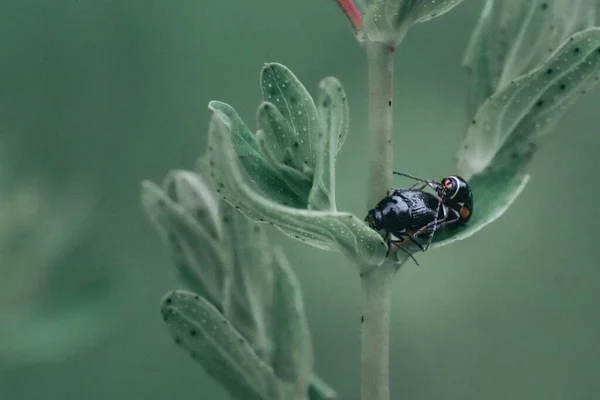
(388, 21)
(199, 259)
(250, 284)
(203, 332)
(196, 197)
(513, 37)
(251, 161)
(292, 347)
(333, 113)
(511, 124)
(281, 88)
(319, 390)
(326, 230)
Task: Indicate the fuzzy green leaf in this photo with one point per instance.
(292, 348)
(199, 259)
(250, 284)
(511, 124)
(333, 113)
(388, 21)
(281, 88)
(252, 162)
(203, 332)
(513, 37)
(326, 230)
(196, 197)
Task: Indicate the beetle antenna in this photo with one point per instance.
(431, 184)
(408, 176)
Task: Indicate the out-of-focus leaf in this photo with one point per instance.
(195, 196)
(508, 128)
(513, 37)
(511, 124)
(388, 21)
(319, 390)
(292, 347)
(198, 257)
(251, 280)
(326, 230)
(203, 332)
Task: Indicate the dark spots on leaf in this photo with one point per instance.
(598, 50)
(261, 220)
(576, 50)
(177, 341)
(514, 156)
(389, 103)
(539, 103)
(211, 163)
(256, 228)
(225, 219)
(362, 319)
(544, 6)
(296, 145)
(549, 71)
(562, 86)
(571, 39)
(326, 102)
(196, 297)
(293, 99)
(552, 27)
(473, 122)
(210, 148)
(466, 147)
(218, 190)
(241, 341)
(193, 333)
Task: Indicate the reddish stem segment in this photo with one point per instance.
(352, 12)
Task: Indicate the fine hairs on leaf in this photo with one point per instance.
(297, 143)
(243, 319)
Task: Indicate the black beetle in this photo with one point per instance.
(411, 213)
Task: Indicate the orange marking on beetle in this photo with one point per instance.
(464, 212)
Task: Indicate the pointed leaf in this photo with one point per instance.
(198, 257)
(513, 37)
(203, 332)
(326, 230)
(265, 178)
(510, 125)
(281, 88)
(292, 348)
(333, 112)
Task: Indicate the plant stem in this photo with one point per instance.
(375, 341)
(381, 68)
(377, 283)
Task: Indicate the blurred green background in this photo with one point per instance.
(113, 92)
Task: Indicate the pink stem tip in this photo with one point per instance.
(352, 12)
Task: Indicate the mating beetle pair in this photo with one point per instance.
(412, 213)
